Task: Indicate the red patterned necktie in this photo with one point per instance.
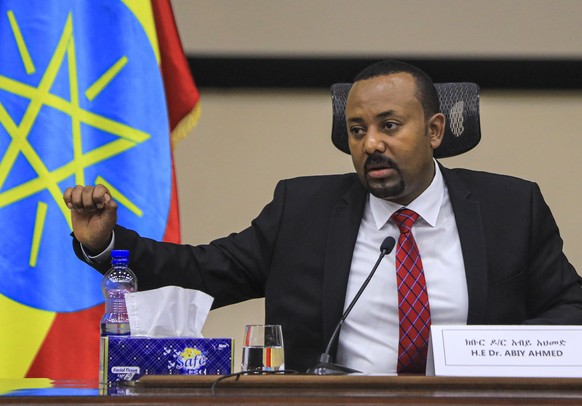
(413, 307)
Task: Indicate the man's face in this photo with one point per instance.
(390, 141)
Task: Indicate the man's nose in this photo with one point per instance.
(373, 141)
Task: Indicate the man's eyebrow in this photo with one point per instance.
(384, 114)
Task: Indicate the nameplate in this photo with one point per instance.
(505, 351)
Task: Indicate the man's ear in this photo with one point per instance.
(436, 129)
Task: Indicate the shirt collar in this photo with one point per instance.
(427, 205)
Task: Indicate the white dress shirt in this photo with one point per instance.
(368, 339)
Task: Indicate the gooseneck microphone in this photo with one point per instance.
(325, 366)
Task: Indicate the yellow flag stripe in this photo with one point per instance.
(24, 54)
(10, 385)
(145, 15)
(106, 78)
(25, 329)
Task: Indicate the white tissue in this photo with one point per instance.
(170, 311)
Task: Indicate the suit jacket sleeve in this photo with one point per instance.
(516, 269)
(231, 269)
(554, 293)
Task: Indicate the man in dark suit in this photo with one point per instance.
(490, 247)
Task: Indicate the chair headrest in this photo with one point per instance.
(459, 103)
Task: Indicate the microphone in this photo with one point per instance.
(325, 366)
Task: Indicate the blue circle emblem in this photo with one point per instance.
(81, 102)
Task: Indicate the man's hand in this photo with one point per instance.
(93, 215)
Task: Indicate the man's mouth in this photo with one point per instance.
(379, 168)
(380, 172)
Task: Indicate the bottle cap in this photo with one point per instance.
(120, 255)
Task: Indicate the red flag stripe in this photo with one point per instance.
(172, 233)
(181, 96)
(181, 93)
(71, 347)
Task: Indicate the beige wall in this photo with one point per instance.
(247, 139)
(382, 27)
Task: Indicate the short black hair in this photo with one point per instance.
(426, 92)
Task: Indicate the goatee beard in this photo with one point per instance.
(384, 191)
(381, 190)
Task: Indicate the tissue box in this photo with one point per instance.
(127, 358)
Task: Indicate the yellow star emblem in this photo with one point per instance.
(40, 96)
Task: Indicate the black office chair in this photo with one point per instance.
(459, 103)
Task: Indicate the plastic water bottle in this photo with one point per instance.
(118, 281)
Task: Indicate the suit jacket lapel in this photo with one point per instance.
(342, 235)
(470, 225)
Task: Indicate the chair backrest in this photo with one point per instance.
(459, 103)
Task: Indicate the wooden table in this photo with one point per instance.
(313, 390)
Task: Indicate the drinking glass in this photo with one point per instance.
(263, 348)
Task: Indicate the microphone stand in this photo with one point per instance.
(325, 366)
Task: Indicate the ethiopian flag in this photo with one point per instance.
(90, 92)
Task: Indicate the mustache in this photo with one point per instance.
(377, 160)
